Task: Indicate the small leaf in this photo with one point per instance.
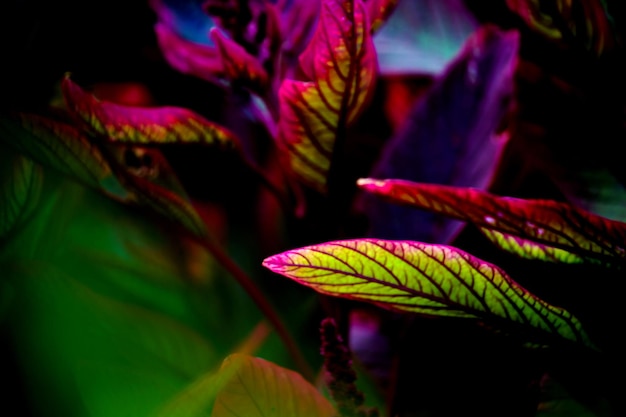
(574, 232)
(141, 125)
(432, 280)
(61, 147)
(340, 61)
(254, 387)
(238, 65)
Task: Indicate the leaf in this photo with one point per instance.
(168, 204)
(239, 66)
(432, 280)
(340, 62)
(142, 125)
(20, 187)
(451, 136)
(62, 147)
(587, 21)
(558, 231)
(254, 387)
(196, 59)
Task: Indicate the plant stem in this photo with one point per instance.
(264, 306)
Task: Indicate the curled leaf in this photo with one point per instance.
(340, 62)
(563, 232)
(142, 125)
(432, 280)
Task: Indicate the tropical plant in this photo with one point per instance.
(465, 251)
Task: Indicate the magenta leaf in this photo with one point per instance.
(541, 229)
(427, 279)
(142, 125)
(238, 65)
(340, 63)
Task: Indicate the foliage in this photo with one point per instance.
(465, 251)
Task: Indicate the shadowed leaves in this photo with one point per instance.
(541, 229)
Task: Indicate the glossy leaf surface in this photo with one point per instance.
(143, 126)
(340, 62)
(562, 231)
(254, 387)
(432, 280)
(450, 137)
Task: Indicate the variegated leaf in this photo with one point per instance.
(340, 63)
(143, 125)
(428, 279)
(558, 231)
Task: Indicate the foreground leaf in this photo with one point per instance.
(340, 63)
(555, 230)
(432, 280)
(254, 387)
(144, 126)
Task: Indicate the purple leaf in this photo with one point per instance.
(451, 135)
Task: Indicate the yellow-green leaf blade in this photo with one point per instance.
(340, 63)
(254, 387)
(432, 280)
(143, 125)
(553, 224)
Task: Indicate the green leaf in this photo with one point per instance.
(62, 147)
(20, 187)
(540, 229)
(142, 125)
(340, 62)
(254, 387)
(432, 280)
